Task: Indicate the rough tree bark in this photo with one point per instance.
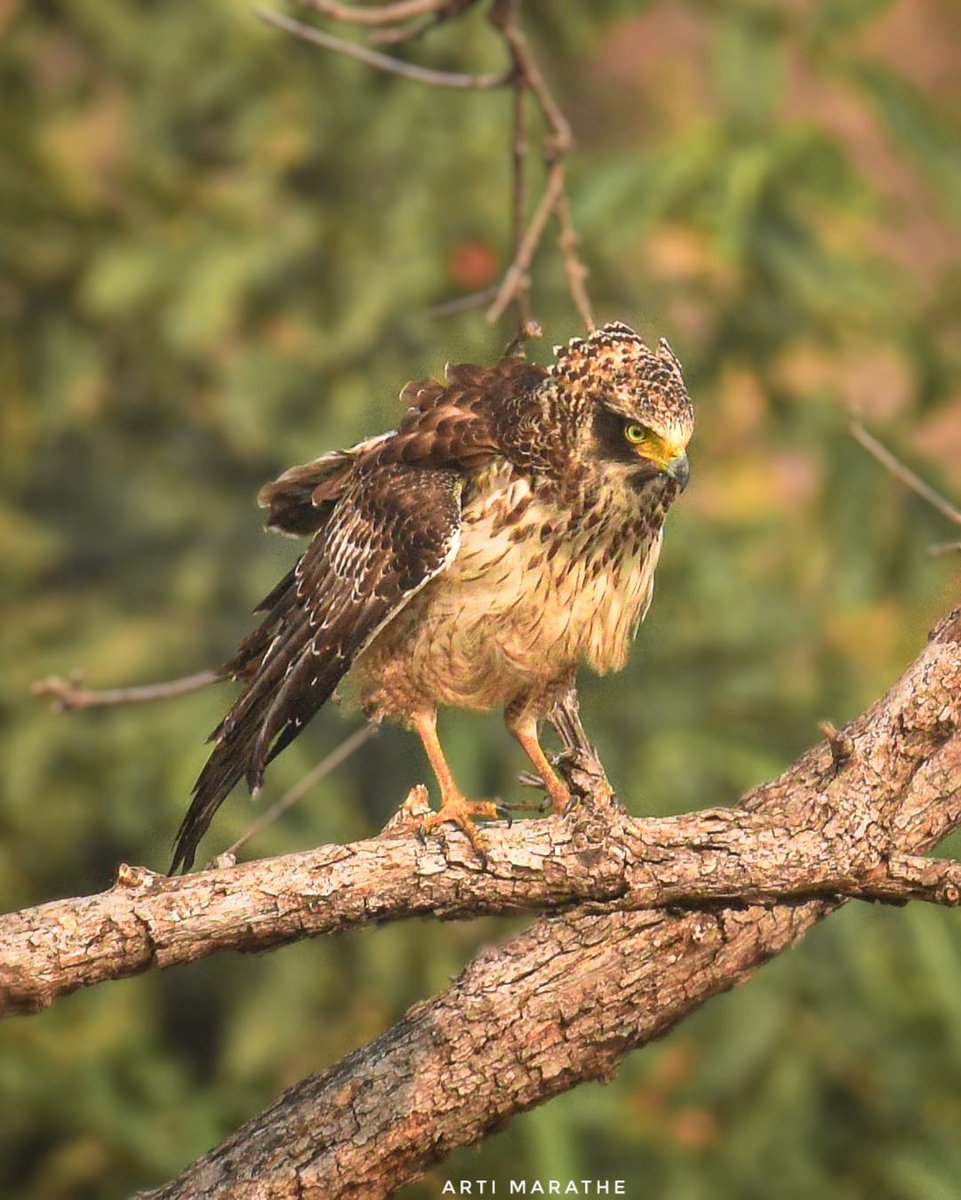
(657, 917)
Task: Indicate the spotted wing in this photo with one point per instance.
(449, 424)
(392, 530)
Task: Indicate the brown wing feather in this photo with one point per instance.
(394, 528)
(300, 500)
(446, 424)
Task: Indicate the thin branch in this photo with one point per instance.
(377, 14)
(400, 22)
(291, 797)
(504, 15)
(514, 280)
(398, 35)
(461, 304)
(901, 471)
(69, 695)
(383, 62)
(574, 269)
(394, 36)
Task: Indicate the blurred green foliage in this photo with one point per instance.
(220, 251)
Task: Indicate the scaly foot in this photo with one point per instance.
(463, 813)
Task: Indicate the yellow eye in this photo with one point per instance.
(635, 433)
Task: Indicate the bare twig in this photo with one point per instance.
(910, 479)
(300, 789)
(841, 745)
(383, 62)
(460, 304)
(574, 268)
(403, 21)
(557, 144)
(514, 280)
(377, 14)
(69, 695)
(503, 14)
(394, 35)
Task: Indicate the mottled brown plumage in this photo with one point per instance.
(507, 530)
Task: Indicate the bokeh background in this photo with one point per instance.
(221, 249)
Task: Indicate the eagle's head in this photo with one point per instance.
(632, 414)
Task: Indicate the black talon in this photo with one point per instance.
(504, 814)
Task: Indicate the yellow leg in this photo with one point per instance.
(454, 805)
(523, 725)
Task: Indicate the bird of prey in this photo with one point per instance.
(505, 531)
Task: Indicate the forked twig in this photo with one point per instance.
(556, 146)
(383, 62)
(406, 19)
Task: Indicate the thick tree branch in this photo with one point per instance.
(598, 855)
(649, 932)
(842, 821)
(567, 999)
(561, 1003)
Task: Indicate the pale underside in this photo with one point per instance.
(508, 621)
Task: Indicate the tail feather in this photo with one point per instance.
(224, 770)
(267, 661)
(308, 686)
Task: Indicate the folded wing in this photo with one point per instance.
(393, 528)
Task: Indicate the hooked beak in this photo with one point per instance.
(678, 469)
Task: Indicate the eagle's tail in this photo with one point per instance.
(266, 661)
